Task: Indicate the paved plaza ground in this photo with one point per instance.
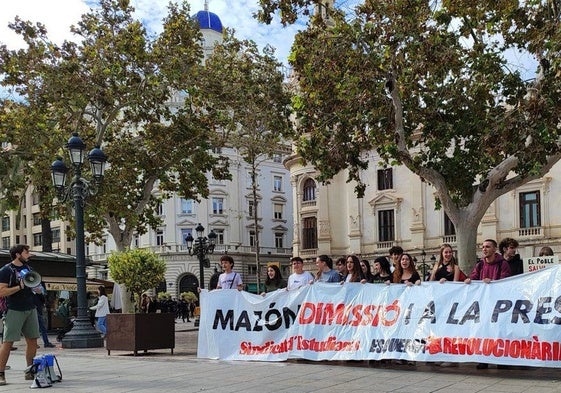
(92, 370)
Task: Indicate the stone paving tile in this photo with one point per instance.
(92, 370)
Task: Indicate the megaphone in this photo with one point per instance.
(31, 279)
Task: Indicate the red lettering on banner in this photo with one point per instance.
(342, 314)
(298, 343)
(497, 347)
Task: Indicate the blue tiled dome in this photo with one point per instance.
(209, 20)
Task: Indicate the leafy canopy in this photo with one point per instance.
(138, 270)
(118, 86)
(429, 84)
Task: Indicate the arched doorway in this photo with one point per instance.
(189, 283)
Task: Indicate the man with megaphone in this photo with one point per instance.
(21, 317)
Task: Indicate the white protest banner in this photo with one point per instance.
(533, 264)
(511, 321)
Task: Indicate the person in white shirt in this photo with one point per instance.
(229, 279)
(300, 277)
(101, 310)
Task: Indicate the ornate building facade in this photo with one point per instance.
(399, 209)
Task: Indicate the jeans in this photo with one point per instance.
(42, 328)
(101, 325)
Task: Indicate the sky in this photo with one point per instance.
(59, 15)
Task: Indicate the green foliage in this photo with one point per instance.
(138, 270)
(457, 106)
(188, 296)
(163, 296)
(430, 85)
(119, 87)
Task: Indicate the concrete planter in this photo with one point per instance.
(140, 332)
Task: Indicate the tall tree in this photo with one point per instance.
(429, 85)
(29, 138)
(132, 92)
(248, 95)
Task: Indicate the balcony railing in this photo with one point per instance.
(449, 239)
(384, 245)
(530, 232)
(219, 249)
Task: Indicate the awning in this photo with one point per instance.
(69, 284)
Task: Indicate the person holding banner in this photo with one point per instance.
(508, 247)
(491, 267)
(395, 256)
(447, 268)
(300, 277)
(326, 272)
(405, 272)
(274, 280)
(355, 273)
(229, 279)
(382, 269)
(341, 268)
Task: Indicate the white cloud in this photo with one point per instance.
(59, 15)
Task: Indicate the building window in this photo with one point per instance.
(160, 209)
(36, 218)
(277, 183)
(309, 233)
(6, 242)
(530, 209)
(449, 229)
(217, 150)
(186, 206)
(37, 239)
(250, 208)
(279, 237)
(385, 179)
(35, 198)
(386, 226)
(252, 239)
(104, 246)
(6, 224)
(219, 236)
(159, 237)
(56, 235)
(136, 240)
(277, 211)
(277, 158)
(217, 205)
(252, 270)
(309, 190)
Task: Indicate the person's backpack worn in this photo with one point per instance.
(3, 305)
(3, 300)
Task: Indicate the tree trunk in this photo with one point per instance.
(256, 224)
(466, 243)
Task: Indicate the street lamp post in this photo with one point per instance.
(201, 247)
(83, 334)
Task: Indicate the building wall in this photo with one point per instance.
(347, 224)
